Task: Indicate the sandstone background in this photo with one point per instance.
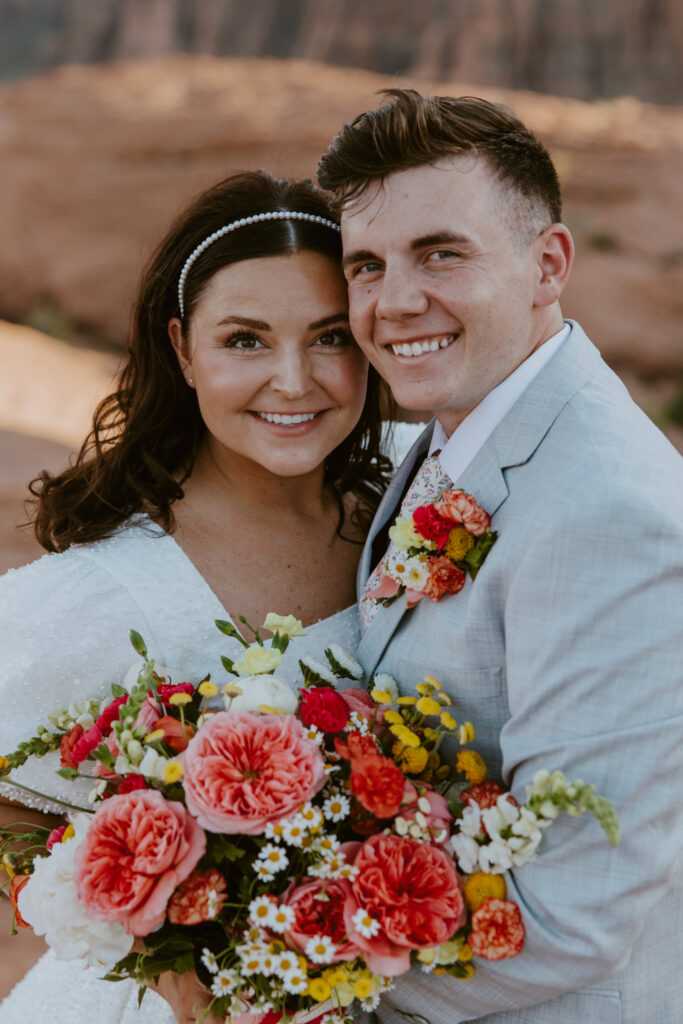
(98, 155)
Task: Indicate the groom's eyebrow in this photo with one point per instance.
(439, 238)
(358, 257)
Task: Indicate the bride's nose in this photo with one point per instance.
(292, 373)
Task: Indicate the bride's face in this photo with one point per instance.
(279, 379)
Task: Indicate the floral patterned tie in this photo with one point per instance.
(429, 481)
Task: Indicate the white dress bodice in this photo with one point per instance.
(64, 636)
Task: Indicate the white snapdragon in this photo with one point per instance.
(49, 902)
(465, 850)
(152, 765)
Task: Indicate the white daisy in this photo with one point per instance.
(263, 870)
(312, 816)
(337, 807)
(315, 735)
(261, 910)
(274, 856)
(326, 844)
(225, 982)
(359, 723)
(283, 917)
(363, 923)
(295, 982)
(295, 831)
(209, 961)
(273, 830)
(320, 949)
(370, 1002)
(286, 963)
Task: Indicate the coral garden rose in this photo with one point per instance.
(463, 508)
(413, 891)
(444, 578)
(324, 708)
(320, 906)
(497, 930)
(378, 784)
(199, 898)
(243, 770)
(137, 850)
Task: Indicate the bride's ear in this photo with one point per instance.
(181, 348)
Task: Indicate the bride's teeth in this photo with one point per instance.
(286, 419)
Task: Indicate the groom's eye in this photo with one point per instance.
(370, 267)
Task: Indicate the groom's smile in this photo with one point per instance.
(442, 285)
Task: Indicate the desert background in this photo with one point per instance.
(114, 113)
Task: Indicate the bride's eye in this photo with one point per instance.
(243, 341)
(339, 337)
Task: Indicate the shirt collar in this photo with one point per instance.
(458, 450)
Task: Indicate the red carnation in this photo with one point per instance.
(497, 930)
(324, 708)
(199, 898)
(66, 747)
(432, 525)
(88, 742)
(132, 782)
(110, 714)
(378, 784)
(444, 578)
(55, 837)
(166, 691)
(484, 793)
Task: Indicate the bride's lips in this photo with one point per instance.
(287, 424)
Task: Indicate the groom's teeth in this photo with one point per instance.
(287, 419)
(418, 348)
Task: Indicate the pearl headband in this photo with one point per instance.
(243, 222)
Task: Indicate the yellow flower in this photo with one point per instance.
(207, 688)
(173, 770)
(405, 536)
(7, 865)
(404, 734)
(482, 886)
(411, 760)
(427, 955)
(424, 689)
(68, 833)
(469, 969)
(448, 952)
(362, 988)
(465, 954)
(4, 765)
(458, 544)
(319, 990)
(393, 717)
(433, 681)
(466, 733)
(285, 625)
(407, 701)
(443, 771)
(180, 698)
(152, 737)
(472, 765)
(258, 661)
(448, 720)
(431, 734)
(380, 696)
(428, 706)
(266, 709)
(440, 970)
(231, 690)
(336, 976)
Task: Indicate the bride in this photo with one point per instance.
(234, 471)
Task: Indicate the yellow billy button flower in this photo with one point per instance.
(424, 689)
(362, 988)
(440, 970)
(393, 717)
(231, 690)
(173, 771)
(336, 976)
(433, 681)
(428, 706)
(411, 760)
(405, 735)
(380, 696)
(472, 765)
(7, 865)
(482, 886)
(407, 701)
(4, 765)
(207, 688)
(448, 720)
(178, 699)
(266, 709)
(153, 737)
(466, 733)
(319, 990)
(458, 544)
(465, 954)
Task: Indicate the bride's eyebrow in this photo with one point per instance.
(327, 321)
(245, 321)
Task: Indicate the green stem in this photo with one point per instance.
(51, 799)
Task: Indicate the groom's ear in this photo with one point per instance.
(180, 347)
(555, 256)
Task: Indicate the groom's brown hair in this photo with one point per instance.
(413, 130)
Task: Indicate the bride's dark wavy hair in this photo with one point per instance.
(145, 435)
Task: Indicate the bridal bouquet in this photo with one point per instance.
(299, 849)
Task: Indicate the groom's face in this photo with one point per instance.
(442, 278)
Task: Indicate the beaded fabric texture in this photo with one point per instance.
(241, 223)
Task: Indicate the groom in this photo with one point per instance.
(566, 652)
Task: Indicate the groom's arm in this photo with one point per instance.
(594, 656)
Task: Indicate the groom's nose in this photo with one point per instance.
(400, 292)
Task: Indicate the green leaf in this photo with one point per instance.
(104, 754)
(138, 643)
(68, 773)
(219, 848)
(228, 664)
(118, 691)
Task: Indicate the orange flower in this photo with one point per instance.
(497, 930)
(378, 784)
(199, 898)
(17, 884)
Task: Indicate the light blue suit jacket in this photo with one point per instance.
(566, 652)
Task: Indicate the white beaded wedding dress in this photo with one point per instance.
(64, 636)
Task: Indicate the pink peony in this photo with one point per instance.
(137, 850)
(413, 890)
(243, 770)
(320, 907)
(463, 508)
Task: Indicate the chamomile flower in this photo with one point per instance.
(326, 844)
(261, 910)
(209, 961)
(273, 830)
(370, 1002)
(315, 735)
(253, 963)
(295, 830)
(363, 923)
(312, 816)
(359, 723)
(274, 856)
(263, 870)
(295, 982)
(320, 949)
(282, 918)
(286, 963)
(225, 982)
(337, 807)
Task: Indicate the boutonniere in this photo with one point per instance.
(435, 549)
